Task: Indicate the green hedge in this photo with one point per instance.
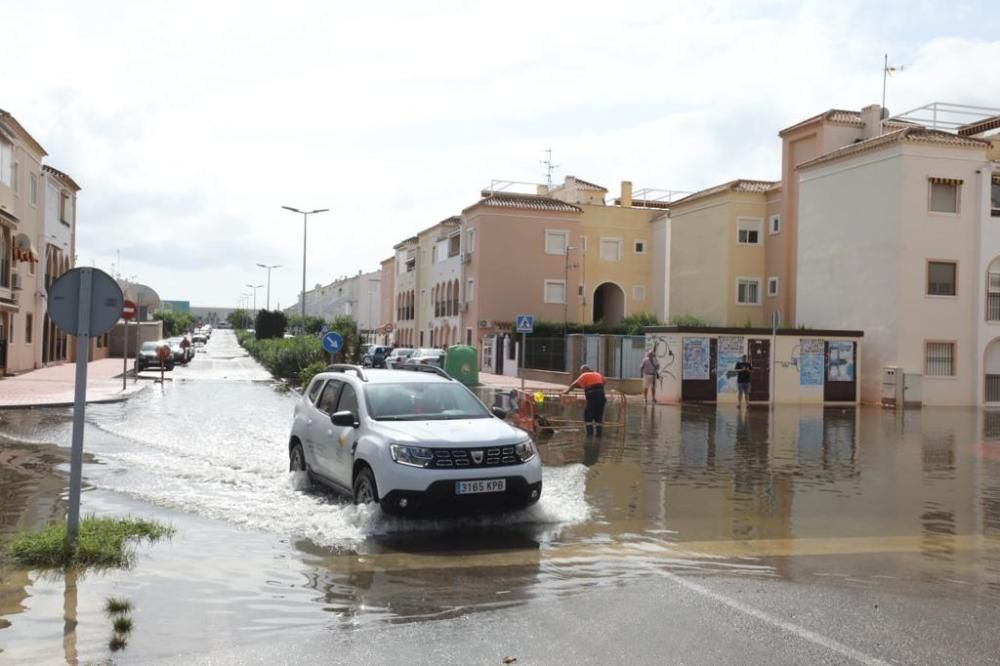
(286, 358)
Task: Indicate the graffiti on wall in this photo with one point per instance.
(696, 358)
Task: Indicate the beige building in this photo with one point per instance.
(898, 236)
(717, 268)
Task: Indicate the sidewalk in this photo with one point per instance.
(53, 386)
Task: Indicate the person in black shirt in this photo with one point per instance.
(743, 370)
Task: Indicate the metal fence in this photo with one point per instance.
(614, 356)
(545, 354)
(992, 388)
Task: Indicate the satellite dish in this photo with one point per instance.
(23, 242)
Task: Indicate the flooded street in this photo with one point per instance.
(819, 512)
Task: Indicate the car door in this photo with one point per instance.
(343, 438)
(306, 416)
(321, 429)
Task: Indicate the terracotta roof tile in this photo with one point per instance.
(524, 202)
(915, 134)
(979, 126)
(739, 185)
(587, 185)
(59, 174)
(840, 116)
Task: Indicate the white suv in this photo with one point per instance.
(411, 439)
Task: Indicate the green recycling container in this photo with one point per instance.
(462, 363)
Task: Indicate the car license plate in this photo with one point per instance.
(480, 486)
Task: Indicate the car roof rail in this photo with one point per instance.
(418, 367)
(347, 367)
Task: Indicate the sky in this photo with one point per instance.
(189, 124)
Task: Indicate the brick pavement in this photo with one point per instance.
(53, 386)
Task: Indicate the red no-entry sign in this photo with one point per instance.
(128, 310)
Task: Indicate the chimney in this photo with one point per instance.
(872, 117)
(626, 198)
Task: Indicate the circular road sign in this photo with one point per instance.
(333, 342)
(92, 286)
(128, 309)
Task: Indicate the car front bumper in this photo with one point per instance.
(440, 497)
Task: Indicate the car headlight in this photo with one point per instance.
(414, 456)
(525, 450)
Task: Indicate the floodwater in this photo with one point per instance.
(864, 497)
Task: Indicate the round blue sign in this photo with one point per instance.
(333, 342)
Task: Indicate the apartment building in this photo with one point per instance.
(898, 234)
(405, 288)
(21, 223)
(58, 240)
(387, 295)
(356, 296)
(715, 266)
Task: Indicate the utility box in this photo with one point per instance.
(913, 392)
(901, 389)
(891, 380)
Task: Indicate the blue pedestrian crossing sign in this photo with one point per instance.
(525, 323)
(333, 342)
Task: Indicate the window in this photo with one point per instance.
(6, 162)
(65, 208)
(5, 258)
(772, 286)
(440, 251)
(470, 239)
(314, 389)
(774, 227)
(328, 400)
(941, 278)
(995, 196)
(555, 291)
(13, 327)
(940, 359)
(470, 290)
(748, 291)
(454, 245)
(638, 293)
(15, 175)
(640, 247)
(33, 188)
(556, 242)
(944, 195)
(348, 400)
(611, 249)
(583, 243)
(748, 231)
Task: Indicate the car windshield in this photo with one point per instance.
(401, 352)
(430, 401)
(149, 346)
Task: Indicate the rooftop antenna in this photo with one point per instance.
(549, 166)
(886, 73)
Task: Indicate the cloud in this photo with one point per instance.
(191, 124)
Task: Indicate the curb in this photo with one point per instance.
(99, 401)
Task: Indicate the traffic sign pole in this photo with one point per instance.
(79, 405)
(125, 358)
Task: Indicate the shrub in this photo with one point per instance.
(285, 358)
(634, 324)
(102, 542)
(687, 320)
(174, 323)
(270, 324)
(310, 371)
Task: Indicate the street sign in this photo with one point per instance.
(128, 310)
(85, 287)
(525, 323)
(333, 342)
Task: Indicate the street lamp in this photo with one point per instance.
(268, 269)
(305, 223)
(255, 287)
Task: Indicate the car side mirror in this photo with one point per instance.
(344, 418)
(499, 412)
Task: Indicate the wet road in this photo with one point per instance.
(703, 535)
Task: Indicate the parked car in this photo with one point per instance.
(178, 352)
(375, 356)
(398, 356)
(428, 356)
(149, 358)
(410, 440)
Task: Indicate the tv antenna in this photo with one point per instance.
(549, 166)
(886, 73)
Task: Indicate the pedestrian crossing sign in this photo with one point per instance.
(525, 323)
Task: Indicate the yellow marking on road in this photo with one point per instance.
(645, 551)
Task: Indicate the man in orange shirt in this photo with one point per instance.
(592, 383)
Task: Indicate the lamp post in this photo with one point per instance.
(268, 269)
(305, 224)
(255, 287)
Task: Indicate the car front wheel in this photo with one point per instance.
(365, 490)
(296, 459)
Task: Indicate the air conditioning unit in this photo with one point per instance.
(465, 257)
(15, 280)
(484, 323)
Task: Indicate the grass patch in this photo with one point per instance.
(117, 643)
(116, 606)
(103, 542)
(123, 625)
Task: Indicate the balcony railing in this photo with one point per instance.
(992, 307)
(992, 388)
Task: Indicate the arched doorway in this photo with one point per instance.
(609, 303)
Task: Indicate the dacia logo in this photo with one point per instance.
(477, 457)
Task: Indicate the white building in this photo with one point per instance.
(356, 297)
(899, 236)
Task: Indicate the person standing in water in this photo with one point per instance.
(592, 383)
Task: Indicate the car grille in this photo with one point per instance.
(494, 456)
